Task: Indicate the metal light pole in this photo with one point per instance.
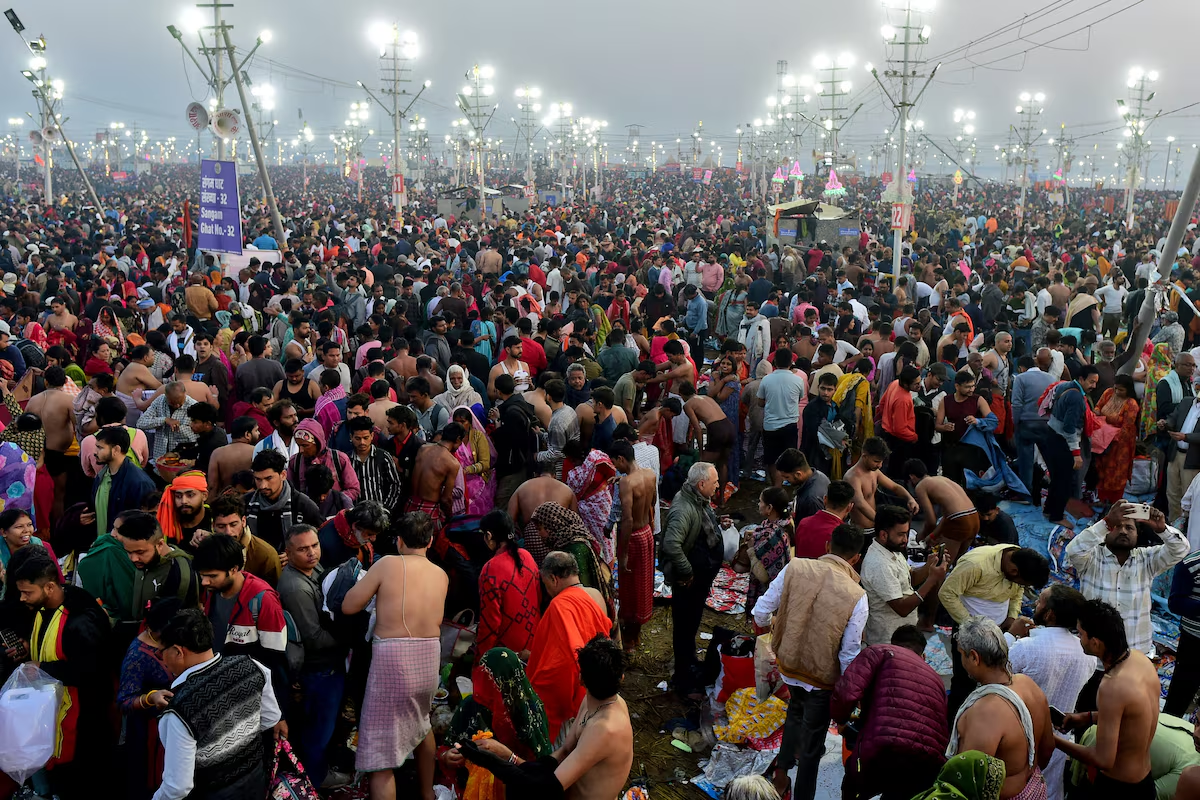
(1135, 130)
(396, 50)
(49, 94)
(214, 56)
(1167, 166)
(527, 126)
(472, 100)
(831, 94)
(1031, 107)
(915, 35)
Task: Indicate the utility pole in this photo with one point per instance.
(906, 70)
(1066, 157)
(1031, 107)
(831, 97)
(48, 92)
(214, 55)
(528, 126)
(472, 100)
(1167, 166)
(396, 50)
(1135, 130)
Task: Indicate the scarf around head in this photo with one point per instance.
(345, 532)
(167, 518)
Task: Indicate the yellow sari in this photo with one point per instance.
(857, 383)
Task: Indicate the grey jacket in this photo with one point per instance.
(681, 532)
(301, 597)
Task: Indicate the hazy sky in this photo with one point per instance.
(664, 64)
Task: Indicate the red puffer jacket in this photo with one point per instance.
(903, 704)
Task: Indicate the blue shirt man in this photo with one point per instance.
(696, 317)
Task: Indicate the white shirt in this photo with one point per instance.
(646, 456)
(1189, 425)
(179, 766)
(852, 637)
(860, 311)
(1044, 300)
(1114, 300)
(844, 350)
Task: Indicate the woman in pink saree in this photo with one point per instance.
(477, 456)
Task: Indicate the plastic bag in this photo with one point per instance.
(29, 702)
(766, 671)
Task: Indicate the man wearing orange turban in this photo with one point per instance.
(183, 509)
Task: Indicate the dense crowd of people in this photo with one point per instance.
(294, 502)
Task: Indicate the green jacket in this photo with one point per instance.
(681, 529)
(169, 576)
(106, 571)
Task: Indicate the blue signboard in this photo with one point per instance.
(220, 212)
(848, 232)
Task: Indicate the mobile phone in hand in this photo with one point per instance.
(1056, 717)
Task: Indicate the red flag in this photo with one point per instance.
(187, 224)
(1171, 207)
(1110, 203)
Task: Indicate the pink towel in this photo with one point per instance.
(395, 711)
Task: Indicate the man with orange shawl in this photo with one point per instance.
(183, 509)
(575, 614)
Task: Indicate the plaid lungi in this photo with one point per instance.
(395, 710)
(635, 588)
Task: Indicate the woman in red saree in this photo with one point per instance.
(1119, 408)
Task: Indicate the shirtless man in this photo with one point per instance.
(537, 398)
(425, 370)
(60, 318)
(511, 365)
(410, 599)
(380, 405)
(56, 409)
(434, 473)
(990, 721)
(531, 494)
(959, 524)
(403, 364)
(635, 542)
(676, 369)
(233, 457)
(866, 479)
(595, 759)
(722, 435)
(197, 390)
(136, 378)
(1126, 712)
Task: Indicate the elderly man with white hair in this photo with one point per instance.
(692, 552)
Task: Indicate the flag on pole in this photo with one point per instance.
(300, 114)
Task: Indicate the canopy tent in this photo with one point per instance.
(805, 208)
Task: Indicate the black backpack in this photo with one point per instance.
(33, 355)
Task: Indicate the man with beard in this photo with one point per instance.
(119, 484)
(163, 570)
(888, 580)
(274, 506)
(182, 511)
(69, 641)
(1052, 655)
(512, 365)
(283, 418)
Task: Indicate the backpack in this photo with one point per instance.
(33, 355)
(6, 261)
(295, 646)
(348, 629)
